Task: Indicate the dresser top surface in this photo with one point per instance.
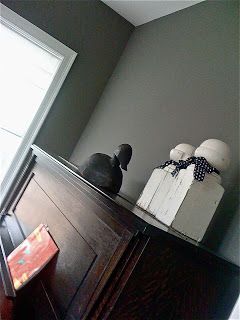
(146, 222)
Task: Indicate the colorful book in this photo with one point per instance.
(31, 256)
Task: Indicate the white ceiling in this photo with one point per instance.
(141, 11)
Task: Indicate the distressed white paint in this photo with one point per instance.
(151, 187)
(198, 207)
(149, 199)
(182, 202)
(174, 197)
(161, 192)
(160, 181)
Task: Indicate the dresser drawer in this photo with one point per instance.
(89, 246)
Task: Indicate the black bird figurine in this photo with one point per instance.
(104, 171)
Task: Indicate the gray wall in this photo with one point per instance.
(98, 35)
(177, 81)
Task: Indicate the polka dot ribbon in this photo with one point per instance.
(167, 163)
(201, 167)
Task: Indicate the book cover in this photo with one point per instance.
(29, 258)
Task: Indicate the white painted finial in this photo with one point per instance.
(216, 152)
(182, 152)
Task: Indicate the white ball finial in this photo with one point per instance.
(216, 152)
(182, 152)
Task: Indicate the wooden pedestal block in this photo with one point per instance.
(160, 180)
(182, 202)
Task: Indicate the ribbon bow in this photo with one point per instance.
(167, 163)
(201, 167)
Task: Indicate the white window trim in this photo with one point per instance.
(44, 40)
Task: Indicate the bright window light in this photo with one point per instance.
(27, 71)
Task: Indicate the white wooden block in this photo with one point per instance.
(174, 197)
(182, 202)
(150, 188)
(198, 207)
(161, 192)
(155, 185)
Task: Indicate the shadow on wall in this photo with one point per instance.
(137, 186)
(228, 209)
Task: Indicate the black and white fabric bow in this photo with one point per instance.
(167, 163)
(201, 167)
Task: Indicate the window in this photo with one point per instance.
(33, 68)
(26, 75)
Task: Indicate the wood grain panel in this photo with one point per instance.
(71, 214)
(67, 271)
(168, 283)
(80, 211)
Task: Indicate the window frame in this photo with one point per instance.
(31, 32)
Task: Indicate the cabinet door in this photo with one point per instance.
(89, 246)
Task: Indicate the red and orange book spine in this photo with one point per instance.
(31, 256)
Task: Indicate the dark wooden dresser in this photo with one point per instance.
(115, 261)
